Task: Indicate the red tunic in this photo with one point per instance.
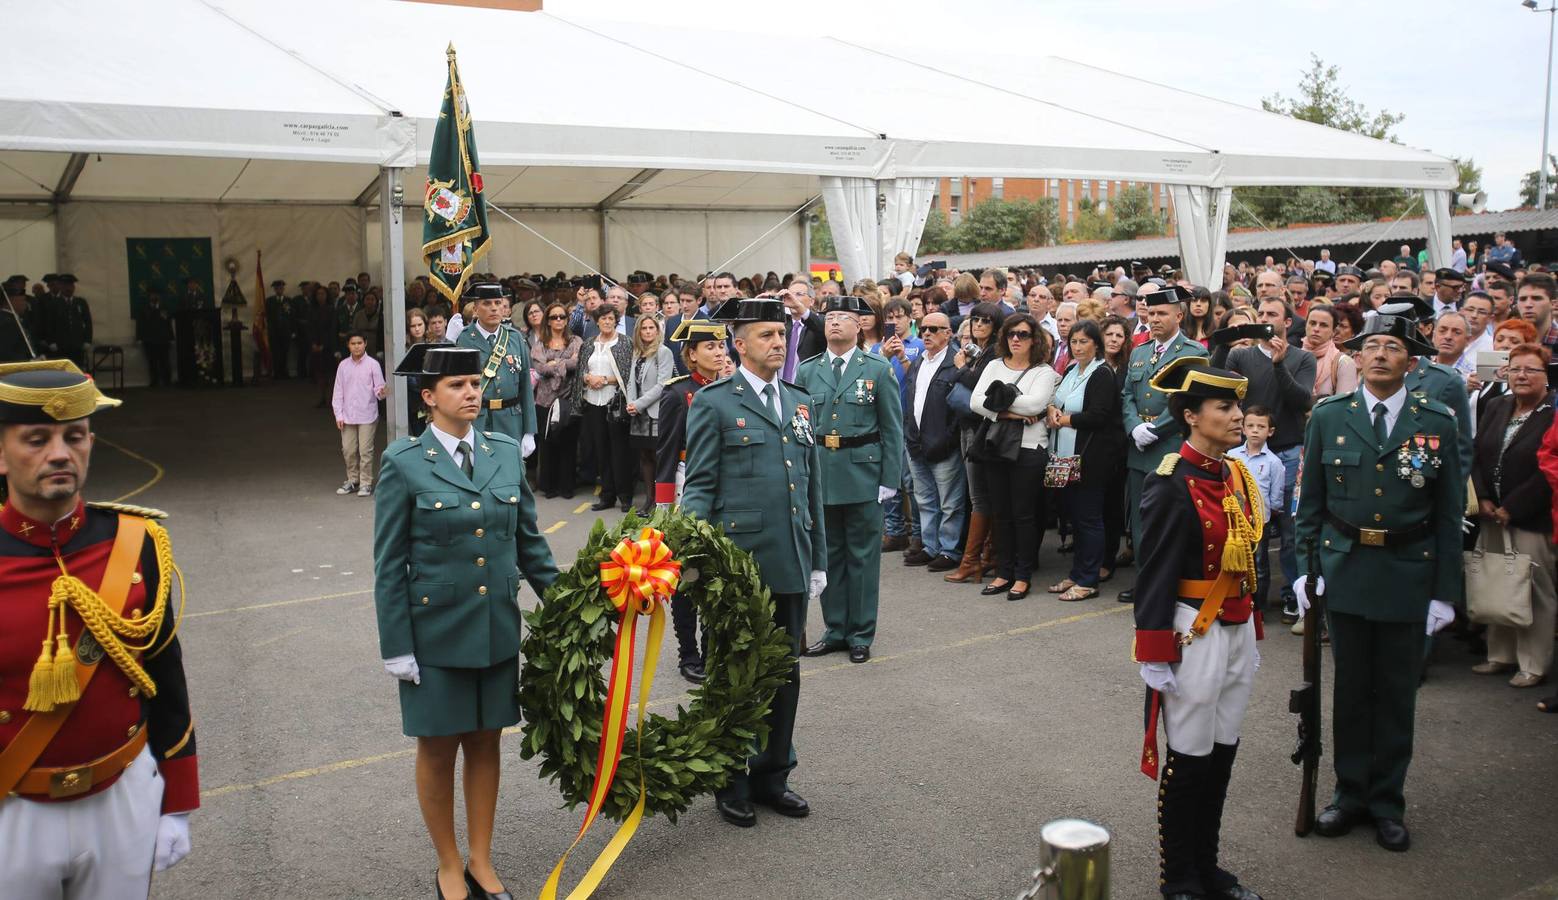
(112, 708)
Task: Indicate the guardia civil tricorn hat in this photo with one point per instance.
(46, 392)
(740, 311)
(846, 303)
(1399, 327)
(423, 360)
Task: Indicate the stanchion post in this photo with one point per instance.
(1073, 862)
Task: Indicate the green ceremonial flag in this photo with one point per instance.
(455, 236)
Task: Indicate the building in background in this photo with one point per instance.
(956, 196)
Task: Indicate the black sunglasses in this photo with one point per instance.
(1020, 335)
(557, 318)
(932, 329)
(980, 320)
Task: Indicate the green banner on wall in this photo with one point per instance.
(165, 265)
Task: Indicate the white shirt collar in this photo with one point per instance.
(757, 383)
(449, 442)
(933, 360)
(848, 356)
(482, 331)
(1393, 403)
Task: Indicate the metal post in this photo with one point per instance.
(1547, 103)
(391, 195)
(1073, 862)
(805, 268)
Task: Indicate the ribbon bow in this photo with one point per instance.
(641, 570)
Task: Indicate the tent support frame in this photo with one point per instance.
(391, 195)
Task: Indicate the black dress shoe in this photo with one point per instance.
(480, 893)
(438, 889)
(991, 589)
(1333, 821)
(823, 648)
(1237, 892)
(859, 654)
(601, 504)
(788, 803)
(1392, 835)
(693, 671)
(1018, 595)
(942, 564)
(1126, 596)
(737, 812)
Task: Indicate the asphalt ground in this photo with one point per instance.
(929, 769)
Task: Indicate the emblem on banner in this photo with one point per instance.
(446, 204)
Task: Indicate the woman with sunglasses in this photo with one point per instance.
(554, 355)
(974, 354)
(1016, 488)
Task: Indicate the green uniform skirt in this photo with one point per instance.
(456, 701)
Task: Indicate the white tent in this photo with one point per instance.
(284, 125)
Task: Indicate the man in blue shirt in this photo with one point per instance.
(901, 350)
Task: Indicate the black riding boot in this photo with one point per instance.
(1181, 801)
(1219, 882)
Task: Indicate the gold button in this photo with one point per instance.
(784, 438)
(134, 691)
(481, 560)
(745, 439)
(5, 716)
(1211, 546)
(794, 511)
(1210, 567)
(513, 499)
(1328, 542)
(1379, 492)
(1207, 524)
(1199, 503)
(135, 578)
(1379, 467)
(132, 731)
(475, 504)
(480, 532)
(792, 486)
(732, 525)
(438, 504)
(425, 601)
(788, 464)
(1378, 517)
(482, 590)
(835, 415)
(134, 613)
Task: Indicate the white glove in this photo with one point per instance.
(1143, 435)
(689, 575)
(404, 668)
(1440, 614)
(884, 494)
(172, 841)
(1257, 658)
(527, 444)
(1301, 591)
(819, 583)
(1160, 677)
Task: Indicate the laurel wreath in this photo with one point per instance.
(570, 639)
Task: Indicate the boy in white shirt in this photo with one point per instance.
(1268, 472)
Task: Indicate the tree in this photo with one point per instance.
(1322, 100)
(1468, 175)
(995, 224)
(1133, 215)
(938, 235)
(1528, 186)
(822, 236)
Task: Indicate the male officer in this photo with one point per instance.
(753, 469)
(1381, 504)
(860, 422)
(1153, 435)
(703, 350)
(97, 748)
(74, 330)
(278, 324)
(508, 404)
(1430, 379)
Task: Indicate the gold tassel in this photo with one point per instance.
(66, 688)
(40, 688)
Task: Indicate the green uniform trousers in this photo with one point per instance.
(854, 572)
(1135, 484)
(768, 769)
(1373, 703)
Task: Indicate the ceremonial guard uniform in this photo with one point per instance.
(1196, 628)
(1383, 508)
(508, 400)
(98, 766)
(1142, 404)
(753, 469)
(670, 469)
(859, 424)
(450, 546)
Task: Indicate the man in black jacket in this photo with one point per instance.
(931, 435)
(804, 336)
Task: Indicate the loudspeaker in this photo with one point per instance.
(1475, 202)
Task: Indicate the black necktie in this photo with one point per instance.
(467, 465)
(1379, 423)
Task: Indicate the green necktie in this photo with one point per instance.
(1379, 424)
(838, 368)
(467, 465)
(767, 403)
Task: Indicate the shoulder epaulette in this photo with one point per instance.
(499, 437)
(1333, 398)
(145, 512)
(678, 379)
(810, 358)
(1437, 406)
(1166, 467)
(401, 445)
(871, 354)
(791, 384)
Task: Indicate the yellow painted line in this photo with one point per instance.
(556, 527)
(581, 507)
(157, 471)
(238, 609)
(273, 639)
(680, 698)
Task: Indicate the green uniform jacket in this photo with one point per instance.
(1140, 402)
(449, 551)
(511, 381)
(1442, 383)
(1346, 474)
(864, 401)
(760, 481)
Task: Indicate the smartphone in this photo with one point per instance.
(1490, 365)
(890, 330)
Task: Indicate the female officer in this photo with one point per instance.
(454, 531)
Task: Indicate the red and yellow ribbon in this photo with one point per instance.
(638, 578)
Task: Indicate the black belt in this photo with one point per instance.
(1379, 537)
(839, 442)
(505, 403)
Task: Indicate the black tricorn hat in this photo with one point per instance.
(485, 290)
(1194, 376)
(739, 311)
(47, 391)
(1168, 293)
(1408, 306)
(1445, 273)
(1502, 270)
(847, 303)
(1354, 271)
(1399, 327)
(439, 359)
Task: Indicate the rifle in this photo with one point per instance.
(1305, 699)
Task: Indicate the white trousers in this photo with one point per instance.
(96, 848)
(1215, 675)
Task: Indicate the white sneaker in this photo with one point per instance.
(366, 491)
(346, 488)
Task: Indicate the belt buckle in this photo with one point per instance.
(1372, 537)
(832, 441)
(495, 404)
(70, 782)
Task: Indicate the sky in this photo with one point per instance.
(1467, 75)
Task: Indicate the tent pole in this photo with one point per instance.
(806, 241)
(391, 195)
(605, 242)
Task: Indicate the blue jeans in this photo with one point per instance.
(1287, 553)
(940, 489)
(1085, 508)
(894, 522)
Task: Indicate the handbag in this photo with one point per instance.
(617, 406)
(1062, 470)
(1498, 584)
(998, 440)
(961, 400)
